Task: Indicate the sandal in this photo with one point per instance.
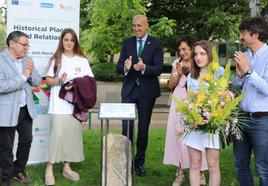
(178, 180)
(49, 178)
(70, 174)
(203, 179)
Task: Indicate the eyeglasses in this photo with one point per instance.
(26, 45)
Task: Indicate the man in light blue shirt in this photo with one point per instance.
(252, 80)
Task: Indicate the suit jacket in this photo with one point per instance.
(152, 57)
(11, 84)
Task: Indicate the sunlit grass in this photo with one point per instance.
(157, 174)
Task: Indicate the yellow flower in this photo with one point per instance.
(215, 62)
(214, 100)
(200, 99)
(200, 121)
(222, 93)
(215, 66)
(228, 98)
(224, 82)
(215, 113)
(191, 93)
(207, 77)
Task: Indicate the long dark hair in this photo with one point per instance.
(207, 46)
(57, 55)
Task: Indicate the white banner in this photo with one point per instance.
(42, 21)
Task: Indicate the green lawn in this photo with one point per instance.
(157, 174)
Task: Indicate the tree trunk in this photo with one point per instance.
(255, 9)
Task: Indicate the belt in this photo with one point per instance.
(256, 114)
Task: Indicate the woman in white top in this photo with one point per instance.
(197, 140)
(65, 144)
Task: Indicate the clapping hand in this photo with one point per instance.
(128, 63)
(185, 70)
(242, 63)
(28, 68)
(140, 65)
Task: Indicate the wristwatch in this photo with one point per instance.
(249, 72)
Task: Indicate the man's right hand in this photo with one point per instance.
(242, 63)
(28, 68)
(128, 63)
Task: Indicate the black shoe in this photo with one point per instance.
(140, 171)
(7, 183)
(21, 177)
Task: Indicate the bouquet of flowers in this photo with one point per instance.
(214, 107)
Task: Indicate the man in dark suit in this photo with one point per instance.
(140, 62)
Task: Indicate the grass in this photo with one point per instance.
(157, 174)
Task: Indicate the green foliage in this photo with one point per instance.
(105, 72)
(217, 19)
(2, 36)
(166, 68)
(110, 22)
(263, 3)
(163, 28)
(84, 20)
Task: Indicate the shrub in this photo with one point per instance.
(105, 72)
(2, 36)
(166, 68)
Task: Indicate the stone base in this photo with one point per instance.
(116, 160)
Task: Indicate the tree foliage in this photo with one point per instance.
(263, 5)
(110, 22)
(163, 28)
(2, 36)
(204, 19)
(84, 18)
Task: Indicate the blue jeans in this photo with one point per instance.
(255, 138)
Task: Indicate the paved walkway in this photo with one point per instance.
(158, 120)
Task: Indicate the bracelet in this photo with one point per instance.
(59, 83)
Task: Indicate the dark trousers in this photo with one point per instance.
(24, 129)
(255, 138)
(6, 152)
(145, 107)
